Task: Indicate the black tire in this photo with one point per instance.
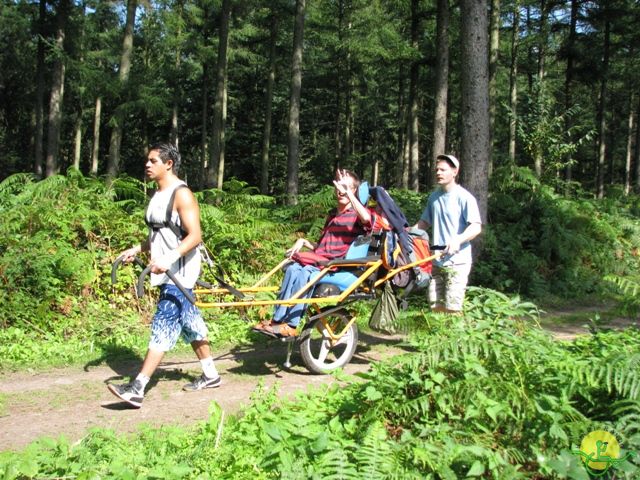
(318, 353)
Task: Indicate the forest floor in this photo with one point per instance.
(70, 401)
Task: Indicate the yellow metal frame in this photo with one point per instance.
(370, 268)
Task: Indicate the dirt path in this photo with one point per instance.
(568, 323)
(70, 401)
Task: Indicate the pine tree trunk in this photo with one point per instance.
(494, 49)
(414, 151)
(543, 37)
(216, 167)
(513, 83)
(442, 85)
(406, 151)
(204, 122)
(57, 92)
(77, 147)
(637, 153)
(402, 127)
(568, 100)
(475, 146)
(629, 154)
(542, 52)
(39, 110)
(175, 108)
(113, 165)
(268, 101)
(77, 140)
(338, 128)
(602, 111)
(95, 151)
(530, 33)
(294, 105)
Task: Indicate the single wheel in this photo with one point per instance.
(320, 353)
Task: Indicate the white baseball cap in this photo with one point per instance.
(453, 161)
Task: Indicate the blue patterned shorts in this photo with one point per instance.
(175, 315)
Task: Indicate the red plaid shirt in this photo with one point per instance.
(340, 230)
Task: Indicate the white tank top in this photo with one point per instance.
(163, 240)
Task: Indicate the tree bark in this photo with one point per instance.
(294, 105)
(637, 153)
(543, 36)
(513, 83)
(627, 165)
(204, 134)
(542, 51)
(494, 50)
(216, 170)
(175, 108)
(400, 168)
(602, 111)
(39, 113)
(268, 101)
(338, 129)
(113, 165)
(77, 147)
(568, 80)
(442, 86)
(96, 136)
(414, 151)
(57, 91)
(77, 140)
(475, 146)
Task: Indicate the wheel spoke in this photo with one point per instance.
(324, 351)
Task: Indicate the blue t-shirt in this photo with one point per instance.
(449, 214)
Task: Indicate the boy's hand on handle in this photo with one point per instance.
(164, 262)
(453, 246)
(129, 255)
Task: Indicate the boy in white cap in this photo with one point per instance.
(453, 213)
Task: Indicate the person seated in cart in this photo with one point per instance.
(344, 224)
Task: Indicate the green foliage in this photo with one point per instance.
(486, 395)
(630, 303)
(59, 238)
(539, 243)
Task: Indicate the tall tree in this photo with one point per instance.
(475, 143)
(294, 105)
(95, 144)
(441, 82)
(629, 152)
(568, 80)
(78, 124)
(414, 77)
(268, 103)
(57, 90)
(175, 107)
(494, 49)
(602, 106)
(513, 82)
(543, 36)
(216, 171)
(637, 153)
(39, 106)
(113, 166)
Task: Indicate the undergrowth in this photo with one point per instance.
(489, 395)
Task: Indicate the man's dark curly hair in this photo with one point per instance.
(168, 151)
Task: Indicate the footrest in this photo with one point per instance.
(288, 339)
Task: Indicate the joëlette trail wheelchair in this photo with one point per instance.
(329, 337)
